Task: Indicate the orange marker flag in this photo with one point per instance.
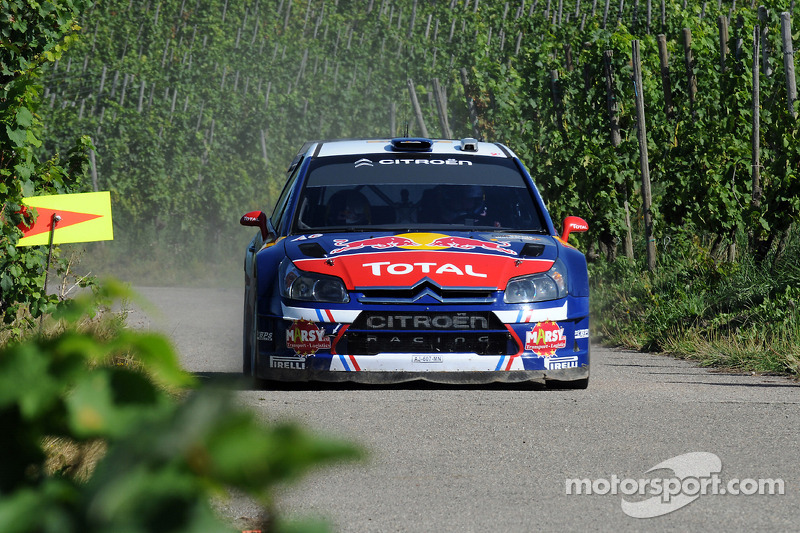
(85, 217)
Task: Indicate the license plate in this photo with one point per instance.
(426, 359)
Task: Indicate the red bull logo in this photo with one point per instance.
(465, 243)
(422, 241)
(379, 243)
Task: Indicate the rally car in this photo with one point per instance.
(390, 260)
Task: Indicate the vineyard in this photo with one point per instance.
(195, 106)
(669, 126)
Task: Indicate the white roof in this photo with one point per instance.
(383, 146)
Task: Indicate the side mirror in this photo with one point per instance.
(573, 224)
(257, 219)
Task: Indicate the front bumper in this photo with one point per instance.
(547, 345)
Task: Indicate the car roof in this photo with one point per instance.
(450, 147)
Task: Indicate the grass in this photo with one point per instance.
(739, 316)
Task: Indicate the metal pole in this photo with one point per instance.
(53, 221)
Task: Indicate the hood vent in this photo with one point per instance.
(312, 249)
(532, 250)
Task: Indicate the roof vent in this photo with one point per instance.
(411, 144)
(469, 144)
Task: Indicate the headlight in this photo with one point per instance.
(549, 285)
(309, 286)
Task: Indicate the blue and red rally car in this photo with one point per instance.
(394, 260)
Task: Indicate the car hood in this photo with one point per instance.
(455, 260)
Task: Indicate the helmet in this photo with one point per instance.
(348, 207)
(463, 202)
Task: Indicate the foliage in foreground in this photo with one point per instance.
(742, 316)
(165, 457)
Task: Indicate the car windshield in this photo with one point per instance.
(416, 192)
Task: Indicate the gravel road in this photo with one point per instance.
(499, 458)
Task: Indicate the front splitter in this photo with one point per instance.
(444, 377)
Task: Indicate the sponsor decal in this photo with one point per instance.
(427, 321)
(401, 269)
(422, 241)
(581, 333)
(304, 237)
(364, 162)
(265, 335)
(545, 338)
(428, 339)
(426, 359)
(305, 338)
(557, 363)
(450, 161)
(406, 268)
(465, 243)
(378, 243)
(292, 363)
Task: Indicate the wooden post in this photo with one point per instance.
(605, 13)
(568, 57)
(788, 62)
(691, 79)
(411, 22)
(417, 110)
(722, 22)
(93, 168)
(393, 119)
(473, 114)
(737, 50)
(666, 83)
(555, 91)
(611, 99)
(763, 20)
(756, 189)
(285, 20)
(628, 238)
(124, 87)
(441, 107)
(263, 138)
(643, 158)
(616, 140)
(141, 97)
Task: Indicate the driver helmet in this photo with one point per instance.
(348, 207)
